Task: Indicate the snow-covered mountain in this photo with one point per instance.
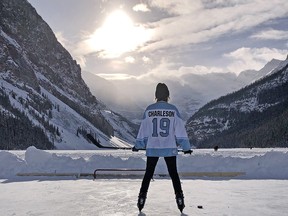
(246, 77)
(130, 97)
(39, 78)
(255, 116)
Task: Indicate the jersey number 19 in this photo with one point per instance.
(164, 126)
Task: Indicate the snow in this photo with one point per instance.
(69, 121)
(259, 192)
(66, 119)
(9, 39)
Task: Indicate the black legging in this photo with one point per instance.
(172, 169)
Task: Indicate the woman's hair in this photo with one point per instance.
(162, 92)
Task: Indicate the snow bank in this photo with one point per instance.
(10, 164)
(271, 165)
(267, 165)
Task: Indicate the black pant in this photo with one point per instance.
(172, 169)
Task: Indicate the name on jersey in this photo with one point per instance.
(164, 113)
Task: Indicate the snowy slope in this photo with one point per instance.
(65, 118)
(249, 112)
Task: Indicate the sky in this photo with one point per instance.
(153, 39)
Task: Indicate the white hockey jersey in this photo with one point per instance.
(162, 130)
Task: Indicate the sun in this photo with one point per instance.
(117, 35)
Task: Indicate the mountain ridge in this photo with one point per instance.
(44, 82)
(254, 116)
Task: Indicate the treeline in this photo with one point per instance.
(270, 133)
(268, 128)
(17, 131)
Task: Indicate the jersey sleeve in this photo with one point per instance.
(181, 134)
(142, 137)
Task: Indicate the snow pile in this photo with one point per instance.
(271, 165)
(10, 164)
(260, 164)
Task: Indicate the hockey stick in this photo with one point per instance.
(95, 142)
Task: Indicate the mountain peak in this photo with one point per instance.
(42, 80)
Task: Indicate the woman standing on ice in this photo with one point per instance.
(161, 131)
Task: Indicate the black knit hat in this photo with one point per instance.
(162, 92)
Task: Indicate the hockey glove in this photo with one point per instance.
(188, 152)
(134, 149)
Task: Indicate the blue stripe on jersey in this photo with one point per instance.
(184, 143)
(141, 143)
(161, 152)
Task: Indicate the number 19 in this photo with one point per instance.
(164, 126)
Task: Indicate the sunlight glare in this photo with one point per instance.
(118, 35)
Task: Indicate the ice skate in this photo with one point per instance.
(141, 200)
(180, 201)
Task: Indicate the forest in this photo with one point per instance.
(17, 131)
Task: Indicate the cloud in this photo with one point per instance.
(200, 70)
(177, 7)
(116, 36)
(252, 58)
(242, 59)
(118, 76)
(181, 24)
(130, 59)
(195, 22)
(146, 59)
(173, 71)
(141, 7)
(80, 58)
(271, 34)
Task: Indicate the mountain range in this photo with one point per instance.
(46, 100)
(197, 90)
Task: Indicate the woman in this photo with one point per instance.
(161, 131)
